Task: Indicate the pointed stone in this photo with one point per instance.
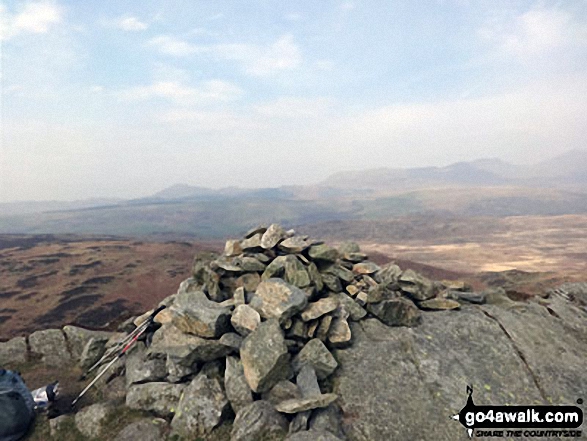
(272, 236)
(245, 319)
(316, 355)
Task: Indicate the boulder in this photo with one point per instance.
(202, 407)
(196, 314)
(52, 347)
(249, 264)
(302, 404)
(356, 311)
(252, 242)
(317, 309)
(186, 349)
(58, 424)
(388, 275)
(272, 236)
(13, 352)
(258, 421)
(316, 355)
(245, 319)
(294, 244)
(238, 392)
(416, 285)
(396, 312)
(265, 357)
(232, 248)
(142, 369)
(146, 429)
(248, 281)
(159, 398)
(284, 390)
(323, 252)
(439, 304)
(275, 298)
(78, 338)
(295, 272)
(89, 421)
(93, 351)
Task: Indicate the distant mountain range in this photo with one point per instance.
(485, 187)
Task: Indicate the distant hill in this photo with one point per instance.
(485, 187)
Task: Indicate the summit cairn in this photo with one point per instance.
(258, 322)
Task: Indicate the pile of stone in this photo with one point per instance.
(249, 338)
(250, 334)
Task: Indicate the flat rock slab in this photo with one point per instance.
(13, 352)
(275, 298)
(52, 347)
(265, 357)
(202, 407)
(159, 398)
(258, 421)
(317, 309)
(303, 404)
(404, 383)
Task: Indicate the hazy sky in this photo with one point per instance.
(124, 98)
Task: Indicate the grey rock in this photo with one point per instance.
(284, 390)
(226, 265)
(250, 264)
(232, 248)
(145, 429)
(238, 392)
(186, 349)
(159, 398)
(202, 407)
(252, 242)
(356, 311)
(58, 424)
(315, 276)
(258, 421)
(90, 419)
(341, 272)
(115, 391)
(13, 352)
(324, 327)
(328, 419)
(416, 286)
(176, 371)
(248, 281)
(388, 275)
(295, 272)
(275, 269)
(231, 340)
(294, 245)
(317, 309)
(340, 332)
(307, 382)
(323, 253)
(354, 257)
(196, 314)
(439, 304)
(78, 338)
(272, 236)
(469, 297)
(332, 282)
(245, 319)
(256, 230)
(142, 369)
(298, 329)
(52, 347)
(94, 349)
(316, 355)
(396, 312)
(265, 357)
(365, 268)
(303, 404)
(275, 298)
(312, 435)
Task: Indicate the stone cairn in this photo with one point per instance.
(249, 337)
(264, 314)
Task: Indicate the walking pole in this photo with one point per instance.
(120, 354)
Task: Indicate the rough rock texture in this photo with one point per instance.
(143, 430)
(159, 398)
(245, 319)
(258, 421)
(51, 345)
(312, 435)
(141, 369)
(237, 389)
(13, 352)
(92, 351)
(202, 407)
(317, 355)
(402, 383)
(302, 404)
(89, 420)
(265, 357)
(77, 338)
(276, 298)
(196, 314)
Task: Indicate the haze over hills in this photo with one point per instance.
(485, 187)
